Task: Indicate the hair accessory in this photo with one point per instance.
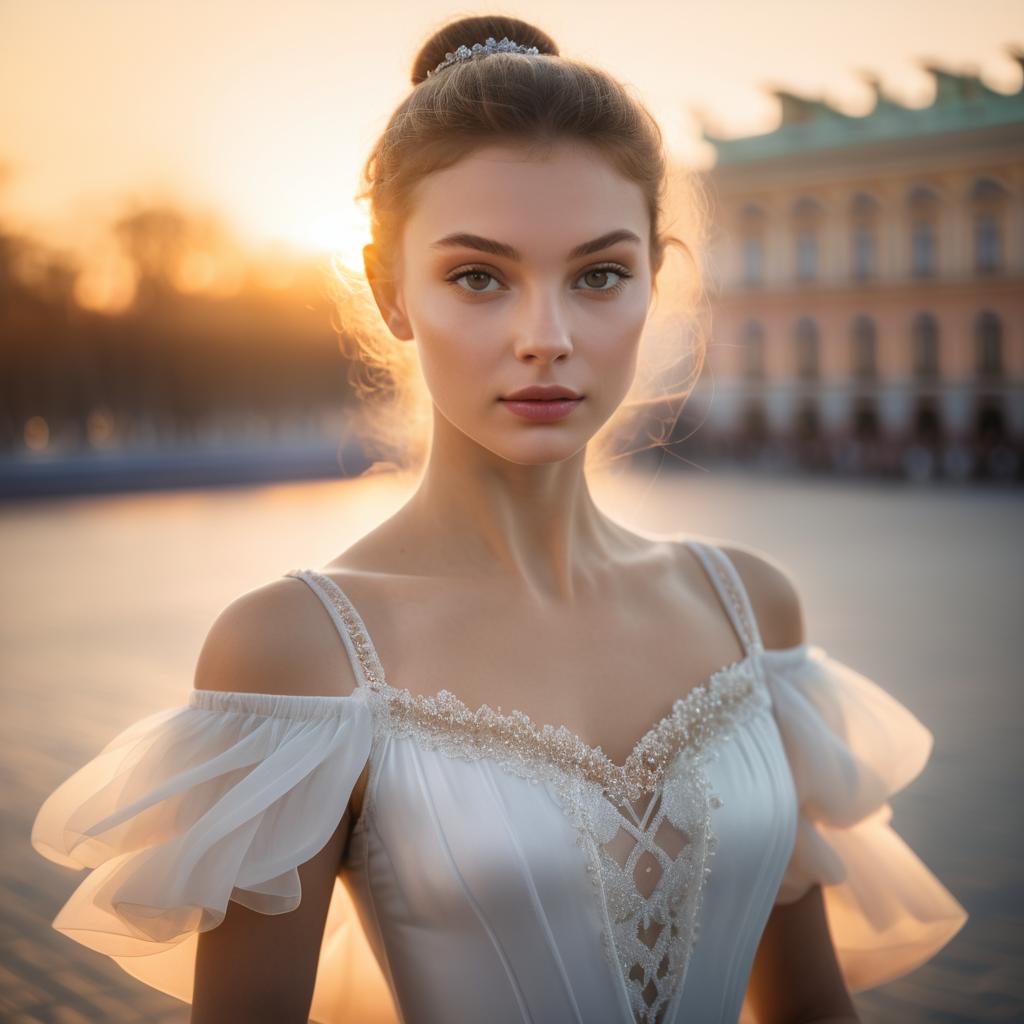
(485, 49)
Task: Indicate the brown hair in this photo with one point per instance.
(532, 100)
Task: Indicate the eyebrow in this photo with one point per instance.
(464, 240)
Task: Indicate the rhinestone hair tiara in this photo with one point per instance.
(486, 48)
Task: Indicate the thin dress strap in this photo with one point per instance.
(731, 592)
(362, 654)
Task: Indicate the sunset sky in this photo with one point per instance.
(264, 111)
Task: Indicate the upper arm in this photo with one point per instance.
(262, 967)
(270, 640)
(795, 975)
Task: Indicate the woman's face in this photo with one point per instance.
(520, 270)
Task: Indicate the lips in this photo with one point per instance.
(542, 410)
(542, 393)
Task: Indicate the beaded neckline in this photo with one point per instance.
(694, 718)
(689, 724)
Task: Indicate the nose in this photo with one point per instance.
(542, 333)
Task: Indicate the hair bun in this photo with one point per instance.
(467, 31)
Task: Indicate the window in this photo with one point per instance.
(988, 334)
(864, 216)
(807, 218)
(987, 244)
(753, 261)
(865, 345)
(924, 216)
(927, 423)
(926, 346)
(863, 253)
(807, 356)
(808, 422)
(922, 248)
(753, 351)
(752, 229)
(807, 255)
(754, 423)
(866, 425)
(989, 423)
(988, 210)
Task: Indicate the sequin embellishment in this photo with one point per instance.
(648, 863)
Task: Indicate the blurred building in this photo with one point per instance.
(869, 275)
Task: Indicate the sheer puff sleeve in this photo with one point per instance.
(196, 805)
(850, 746)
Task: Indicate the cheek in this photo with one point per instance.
(459, 360)
(443, 334)
(614, 338)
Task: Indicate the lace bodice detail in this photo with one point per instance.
(645, 825)
(516, 742)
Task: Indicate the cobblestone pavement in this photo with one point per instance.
(106, 601)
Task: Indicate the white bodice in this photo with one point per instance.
(506, 871)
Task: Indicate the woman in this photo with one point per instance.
(307, 836)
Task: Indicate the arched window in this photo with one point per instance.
(808, 422)
(866, 425)
(807, 345)
(753, 350)
(988, 213)
(987, 243)
(989, 423)
(924, 218)
(754, 422)
(864, 215)
(927, 423)
(926, 346)
(807, 217)
(988, 342)
(865, 348)
(753, 261)
(752, 231)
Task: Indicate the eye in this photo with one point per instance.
(471, 273)
(602, 273)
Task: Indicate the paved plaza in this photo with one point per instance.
(106, 602)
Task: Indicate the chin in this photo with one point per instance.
(539, 452)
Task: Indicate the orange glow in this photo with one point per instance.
(99, 427)
(226, 276)
(37, 434)
(196, 272)
(106, 284)
(266, 112)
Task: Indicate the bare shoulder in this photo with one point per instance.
(277, 638)
(773, 595)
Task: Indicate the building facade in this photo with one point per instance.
(868, 287)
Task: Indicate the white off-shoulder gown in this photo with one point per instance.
(505, 872)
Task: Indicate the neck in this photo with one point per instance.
(481, 515)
